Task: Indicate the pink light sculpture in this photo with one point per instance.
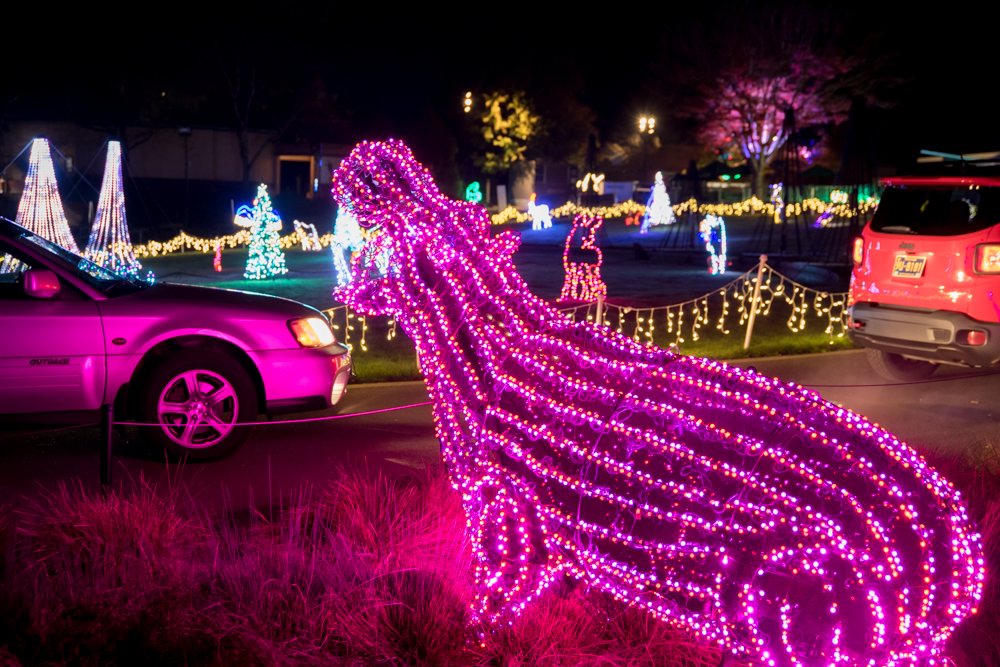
(750, 511)
(583, 280)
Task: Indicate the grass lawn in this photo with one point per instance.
(360, 572)
(660, 280)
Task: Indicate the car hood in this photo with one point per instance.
(213, 296)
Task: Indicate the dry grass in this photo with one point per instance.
(368, 571)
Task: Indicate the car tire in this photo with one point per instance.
(897, 367)
(199, 398)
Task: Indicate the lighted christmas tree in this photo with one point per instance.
(40, 209)
(110, 244)
(266, 258)
(658, 209)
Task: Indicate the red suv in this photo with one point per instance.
(925, 289)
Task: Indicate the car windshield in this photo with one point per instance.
(937, 211)
(106, 280)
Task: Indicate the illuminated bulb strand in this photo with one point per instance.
(752, 206)
(762, 518)
(110, 244)
(40, 209)
(828, 306)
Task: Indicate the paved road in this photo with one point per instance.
(957, 413)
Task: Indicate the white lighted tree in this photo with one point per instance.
(110, 244)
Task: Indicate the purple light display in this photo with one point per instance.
(762, 518)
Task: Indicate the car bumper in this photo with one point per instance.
(304, 379)
(932, 335)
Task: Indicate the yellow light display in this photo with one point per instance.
(752, 206)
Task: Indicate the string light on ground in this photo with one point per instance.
(758, 516)
(110, 244)
(752, 206)
(40, 209)
(265, 259)
(583, 280)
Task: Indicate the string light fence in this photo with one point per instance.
(727, 310)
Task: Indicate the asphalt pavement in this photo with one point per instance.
(957, 410)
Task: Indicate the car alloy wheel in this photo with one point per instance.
(203, 404)
(198, 409)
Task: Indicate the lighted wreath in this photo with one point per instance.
(750, 511)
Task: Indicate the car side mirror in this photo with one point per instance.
(41, 283)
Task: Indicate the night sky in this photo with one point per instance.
(403, 72)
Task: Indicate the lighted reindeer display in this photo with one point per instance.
(582, 259)
(750, 511)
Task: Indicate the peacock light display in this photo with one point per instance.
(750, 511)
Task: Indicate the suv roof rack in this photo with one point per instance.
(989, 159)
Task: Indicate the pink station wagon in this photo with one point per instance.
(201, 362)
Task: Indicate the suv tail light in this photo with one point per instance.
(859, 249)
(988, 258)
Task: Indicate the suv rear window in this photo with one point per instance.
(941, 211)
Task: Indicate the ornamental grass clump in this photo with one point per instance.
(365, 571)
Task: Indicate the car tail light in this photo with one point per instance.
(975, 337)
(859, 249)
(312, 332)
(988, 258)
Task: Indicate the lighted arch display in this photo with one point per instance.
(763, 518)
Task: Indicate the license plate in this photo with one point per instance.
(909, 267)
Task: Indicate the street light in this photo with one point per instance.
(646, 125)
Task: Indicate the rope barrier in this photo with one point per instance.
(292, 421)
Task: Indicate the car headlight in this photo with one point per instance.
(312, 332)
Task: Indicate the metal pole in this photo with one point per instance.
(756, 299)
(599, 319)
(107, 442)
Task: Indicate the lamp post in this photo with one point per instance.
(186, 133)
(647, 125)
